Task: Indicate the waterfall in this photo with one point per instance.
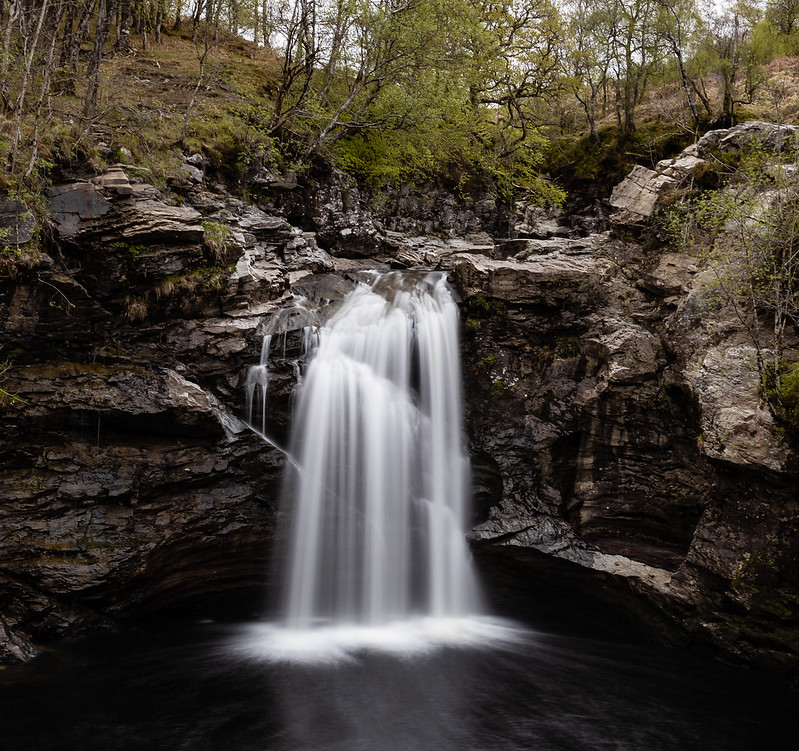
(256, 386)
(380, 481)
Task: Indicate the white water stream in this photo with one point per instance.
(379, 492)
(378, 482)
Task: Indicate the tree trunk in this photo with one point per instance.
(31, 47)
(104, 15)
(123, 46)
(703, 97)
(685, 84)
(44, 88)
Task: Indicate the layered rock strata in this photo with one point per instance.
(615, 427)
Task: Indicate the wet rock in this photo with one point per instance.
(127, 489)
(302, 252)
(593, 396)
(524, 249)
(429, 210)
(159, 401)
(324, 288)
(539, 223)
(672, 276)
(262, 225)
(192, 174)
(74, 203)
(14, 646)
(551, 280)
(631, 353)
(270, 180)
(618, 428)
(770, 135)
(258, 276)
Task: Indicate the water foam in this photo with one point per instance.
(334, 643)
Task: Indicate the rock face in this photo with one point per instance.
(130, 482)
(637, 196)
(617, 433)
(17, 224)
(629, 433)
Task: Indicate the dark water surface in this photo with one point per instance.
(184, 687)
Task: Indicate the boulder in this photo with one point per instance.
(637, 196)
(551, 280)
(736, 424)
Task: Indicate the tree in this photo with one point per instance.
(784, 14)
(680, 25)
(105, 11)
(453, 81)
(637, 52)
(732, 59)
(587, 60)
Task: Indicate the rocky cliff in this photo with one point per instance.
(615, 428)
(626, 422)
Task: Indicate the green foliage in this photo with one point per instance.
(486, 370)
(18, 258)
(481, 309)
(486, 365)
(583, 162)
(498, 388)
(783, 15)
(134, 249)
(217, 240)
(8, 251)
(486, 307)
(403, 93)
(789, 393)
(391, 158)
(390, 91)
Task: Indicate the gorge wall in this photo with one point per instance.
(619, 441)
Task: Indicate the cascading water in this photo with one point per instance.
(378, 481)
(379, 489)
(256, 387)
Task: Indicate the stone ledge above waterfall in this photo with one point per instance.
(552, 280)
(123, 397)
(110, 208)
